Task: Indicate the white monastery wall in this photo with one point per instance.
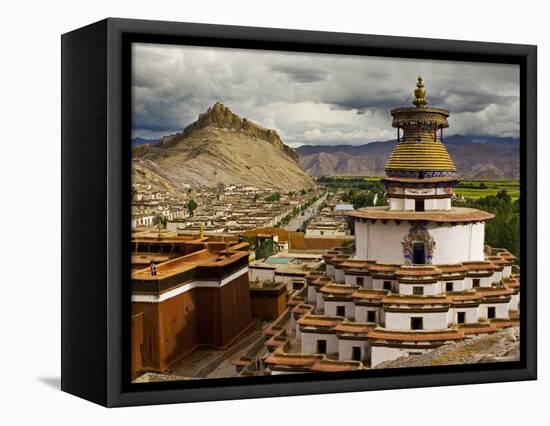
(339, 275)
(402, 320)
(507, 271)
(352, 280)
(361, 313)
(380, 354)
(514, 302)
(345, 349)
(260, 274)
(329, 270)
(458, 285)
(497, 276)
(309, 342)
(378, 284)
(471, 315)
(429, 289)
(311, 297)
(331, 308)
(501, 310)
(319, 303)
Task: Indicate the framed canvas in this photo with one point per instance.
(255, 212)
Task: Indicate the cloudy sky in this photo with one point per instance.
(315, 98)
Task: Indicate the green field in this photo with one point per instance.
(469, 188)
(473, 188)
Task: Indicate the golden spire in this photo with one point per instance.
(419, 94)
(420, 151)
(201, 231)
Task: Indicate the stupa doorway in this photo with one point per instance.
(419, 253)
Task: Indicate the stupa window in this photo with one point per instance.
(449, 286)
(461, 317)
(356, 353)
(321, 346)
(371, 316)
(418, 290)
(491, 312)
(417, 323)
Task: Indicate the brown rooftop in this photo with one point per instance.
(330, 365)
(416, 300)
(463, 296)
(320, 321)
(493, 291)
(381, 267)
(419, 336)
(480, 328)
(476, 265)
(293, 360)
(449, 269)
(355, 327)
(370, 294)
(338, 289)
(417, 271)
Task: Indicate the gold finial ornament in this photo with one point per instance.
(419, 94)
(201, 231)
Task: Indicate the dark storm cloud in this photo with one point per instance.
(300, 74)
(459, 100)
(314, 98)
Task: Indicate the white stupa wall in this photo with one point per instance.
(309, 342)
(362, 316)
(454, 244)
(471, 315)
(429, 289)
(331, 308)
(345, 349)
(429, 204)
(402, 320)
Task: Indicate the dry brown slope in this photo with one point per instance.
(497, 347)
(221, 147)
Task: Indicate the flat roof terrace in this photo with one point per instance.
(455, 214)
(202, 258)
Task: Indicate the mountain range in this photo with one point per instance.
(481, 158)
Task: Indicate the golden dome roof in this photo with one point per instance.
(420, 147)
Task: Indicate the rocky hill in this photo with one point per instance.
(494, 158)
(497, 347)
(221, 147)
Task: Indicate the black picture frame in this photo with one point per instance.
(96, 201)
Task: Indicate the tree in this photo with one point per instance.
(276, 196)
(160, 219)
(503, 230)
(266, 248)
(191, 207)
(246, 239)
